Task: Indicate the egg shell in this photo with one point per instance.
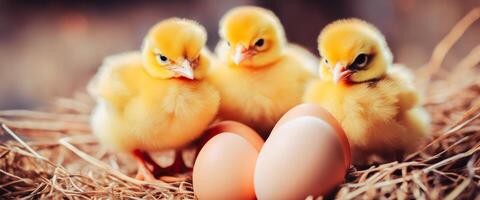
(300, 158)
(233, 127)
(308, 109)
(224, 168)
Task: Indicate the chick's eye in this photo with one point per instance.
(162, 59)
(360, 61)
(259, 43)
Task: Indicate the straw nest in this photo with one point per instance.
(53, 155)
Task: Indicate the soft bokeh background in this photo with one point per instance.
(51, 48)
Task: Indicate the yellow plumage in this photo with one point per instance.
(375, 102)
(258, 74)
(156, 99)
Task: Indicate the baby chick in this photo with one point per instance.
(156, 99)
(375, 101)
(259, 75)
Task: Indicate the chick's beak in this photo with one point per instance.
(241, 54)
(340, 71)
(184, 70)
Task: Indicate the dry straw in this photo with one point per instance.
(53, 155)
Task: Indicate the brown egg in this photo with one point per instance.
(233, 127)
(224, 168)
(303, 156)
(308, 109)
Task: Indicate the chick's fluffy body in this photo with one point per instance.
(144, 103)
(381, 118)
(261, 89)
(377, 105)
(259, 97)
(137, 111)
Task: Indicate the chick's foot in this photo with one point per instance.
(177, 167)
(147, 167)
(149, 170)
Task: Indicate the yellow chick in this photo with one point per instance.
(156, 99)
(259, 75)
(375, 101)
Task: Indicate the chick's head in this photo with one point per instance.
(173, 48)
(254, 35)
(354, 51)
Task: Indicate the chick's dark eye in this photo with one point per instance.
(259, 43)
(162, 58)
(361, 60)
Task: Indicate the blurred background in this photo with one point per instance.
(50, 49)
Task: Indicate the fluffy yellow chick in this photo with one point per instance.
(259, 75)
(375, 101)
(158, 98)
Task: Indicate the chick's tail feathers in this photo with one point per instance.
(418, 122)
(111, 64)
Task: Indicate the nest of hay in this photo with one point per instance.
(53, 155)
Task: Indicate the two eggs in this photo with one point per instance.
(307, 153)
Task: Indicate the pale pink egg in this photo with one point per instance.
(225, 165)
(307, 153)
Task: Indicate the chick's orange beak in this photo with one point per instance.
(241, 54)
(184, 70)
(340, 71)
